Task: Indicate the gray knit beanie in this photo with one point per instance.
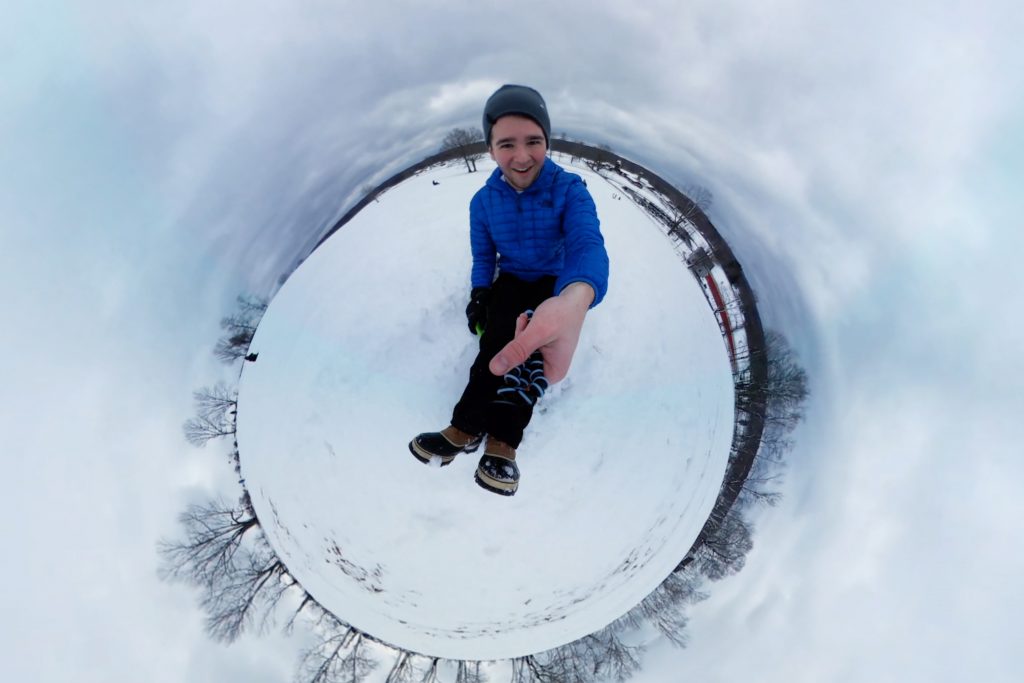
(516, 99)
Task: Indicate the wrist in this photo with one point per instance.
(579, 294)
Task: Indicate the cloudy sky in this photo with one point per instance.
(865, 163)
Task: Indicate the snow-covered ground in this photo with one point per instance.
(366, 345)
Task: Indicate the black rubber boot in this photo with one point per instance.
(445, 444)
(497, 471)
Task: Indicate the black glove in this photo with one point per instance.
(476, 311)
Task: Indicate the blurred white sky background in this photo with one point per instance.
(865, 162)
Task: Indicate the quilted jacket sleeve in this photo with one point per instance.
(485, 254)
(586, 259)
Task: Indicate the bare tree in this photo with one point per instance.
(787, 390)
(701, 196)
(469, 672)
(213, 535)
(616, 660)
(254, 586)
(307, 602)
(215, 414)
(239, 328)
(778, 403)
(218, 400)
(725, 552)
(758, 488)
(319, 663)
(599, 656)
(665, 608)
(573, 662)
(403, 670)
(339, 657)
(464, 140)
(697, 199)
(677, 227)
(527, 670)
(201, 429)
(430, 673)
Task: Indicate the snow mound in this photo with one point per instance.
(366, 346)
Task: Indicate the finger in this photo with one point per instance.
(509, 357)
(527, 340)
(556, 364)
(521, 322)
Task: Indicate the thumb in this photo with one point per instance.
(527, 340)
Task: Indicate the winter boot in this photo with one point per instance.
(445, 444)
(497, 471)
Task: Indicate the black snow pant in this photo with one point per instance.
(477, 412)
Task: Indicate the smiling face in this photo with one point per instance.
(518, 146)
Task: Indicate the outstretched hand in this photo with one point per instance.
(554, 329)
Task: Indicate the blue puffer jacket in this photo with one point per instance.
(551, 228)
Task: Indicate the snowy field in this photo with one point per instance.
(366, 345)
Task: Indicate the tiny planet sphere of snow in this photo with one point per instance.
(366, 345)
